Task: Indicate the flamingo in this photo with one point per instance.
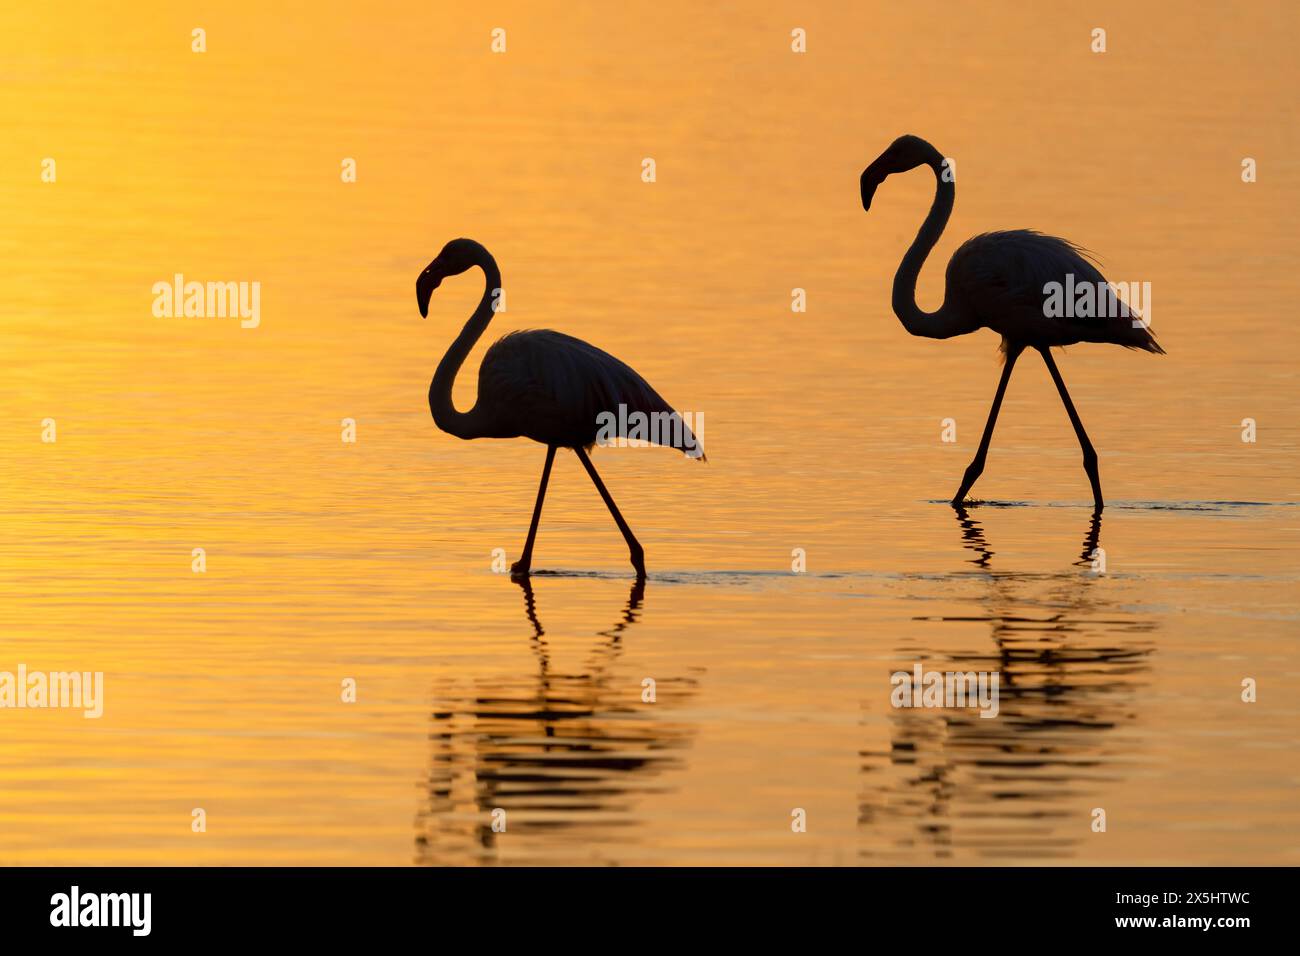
(998, 281)
(542, 385)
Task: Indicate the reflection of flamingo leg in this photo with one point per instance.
(1091, 541)
(973, 537)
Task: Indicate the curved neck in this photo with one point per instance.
(462, 424)
(944, 322)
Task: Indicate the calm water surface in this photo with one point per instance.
(373, 561)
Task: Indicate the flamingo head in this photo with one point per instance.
(904, 153)
(456, 257)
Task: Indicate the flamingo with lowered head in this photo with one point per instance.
(998, 281)
(542, 385)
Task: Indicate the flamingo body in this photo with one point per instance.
(1000, 276)
(553, 388)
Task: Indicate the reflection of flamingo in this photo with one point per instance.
(973, 539)
(630, 611)
(568, 753)
(1071, 667)
(542, 385)
(998, 281)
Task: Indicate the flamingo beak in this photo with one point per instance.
(429, 280)
(871, 179)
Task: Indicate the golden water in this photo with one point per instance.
(372, 561)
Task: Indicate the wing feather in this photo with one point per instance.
(1003, 277)
(554, 388)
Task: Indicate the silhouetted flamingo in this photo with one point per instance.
(542, 385)
(997, 281)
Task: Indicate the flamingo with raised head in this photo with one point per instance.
(999, 281)
(543, 385)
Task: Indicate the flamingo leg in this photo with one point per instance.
(634, 546)
(521, 567)
(1089, 453)
(976, 467)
